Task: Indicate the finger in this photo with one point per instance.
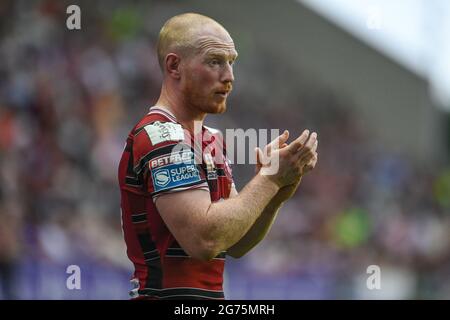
(312, 140)
(299, 142)
(307, 151)
(277, 142)
(313, 161)
(305, 159)
(314, 147)
(311, 164)
(260, 157)
(306, 154)
(308, 147)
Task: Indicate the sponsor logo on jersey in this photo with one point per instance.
(174, 170)
(185, 156)
(164, 131)
(175, 176)
(162, 178)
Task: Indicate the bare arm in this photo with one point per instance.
(204, 229)
(258, 230)
(264, 223)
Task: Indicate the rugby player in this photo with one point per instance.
(181, 217)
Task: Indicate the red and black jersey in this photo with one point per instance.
(160, 156)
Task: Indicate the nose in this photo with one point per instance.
(227, 74)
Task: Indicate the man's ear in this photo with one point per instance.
(172, 65)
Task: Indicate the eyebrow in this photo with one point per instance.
(220, 53)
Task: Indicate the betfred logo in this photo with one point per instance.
(173, 158)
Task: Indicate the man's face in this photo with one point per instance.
(208, 73)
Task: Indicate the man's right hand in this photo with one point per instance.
(284, 164)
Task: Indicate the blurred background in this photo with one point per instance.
(371, 77)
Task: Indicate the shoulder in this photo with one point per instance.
(159, 132)
(157, 128)
(152, 117)
(155, 135)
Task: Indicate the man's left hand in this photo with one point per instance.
(285, 192)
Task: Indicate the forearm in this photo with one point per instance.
(228, 221)
(262, 226)
(258, 231)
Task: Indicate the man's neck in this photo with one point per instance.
(183, 113)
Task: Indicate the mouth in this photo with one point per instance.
(223, 93)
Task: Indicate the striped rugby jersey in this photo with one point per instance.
(159, 158)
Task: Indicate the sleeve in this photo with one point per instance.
(165, 160)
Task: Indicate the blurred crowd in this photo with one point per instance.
(67, 102)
